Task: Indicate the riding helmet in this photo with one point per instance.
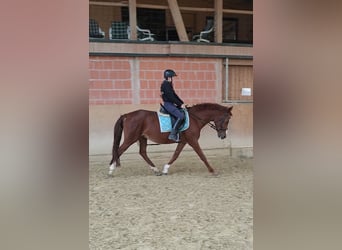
(169, 73)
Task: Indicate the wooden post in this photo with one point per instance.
(178, 20)
(218, 20)
(132, 5)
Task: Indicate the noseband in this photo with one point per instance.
(220, 123)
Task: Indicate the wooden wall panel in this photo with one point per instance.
(240, 76)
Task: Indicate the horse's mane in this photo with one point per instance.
(208, 106)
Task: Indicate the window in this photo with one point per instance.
(230, 29)
(151, 19)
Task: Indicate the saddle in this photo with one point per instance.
(167, 120)
(173, 118)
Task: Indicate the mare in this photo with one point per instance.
(143, 125)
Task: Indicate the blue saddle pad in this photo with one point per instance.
(165, 122)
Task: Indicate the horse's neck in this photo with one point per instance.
(207, 116)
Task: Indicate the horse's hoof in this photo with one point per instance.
(158, 174)
(165, 173)
(215, 174)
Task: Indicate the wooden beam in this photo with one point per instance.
(246, 12)
(132, 5)
(218, 20)
(172, 49)
(164, 7)
(178, 20)
(153, 6)
(108, 4)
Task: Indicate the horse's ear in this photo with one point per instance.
(230, 109)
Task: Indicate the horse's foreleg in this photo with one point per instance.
(143, 153)
(198, 150)
(179, 149)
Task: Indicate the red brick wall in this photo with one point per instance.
(111, 79)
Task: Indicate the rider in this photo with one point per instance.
(172, 102)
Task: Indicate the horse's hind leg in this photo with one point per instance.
(143, 153)
(178, 150)
(125, 145)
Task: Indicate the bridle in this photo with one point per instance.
(210, 123)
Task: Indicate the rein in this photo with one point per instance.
(210, 123)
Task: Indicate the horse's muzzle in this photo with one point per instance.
(222, 135)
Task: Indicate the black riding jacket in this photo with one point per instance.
(168, 94)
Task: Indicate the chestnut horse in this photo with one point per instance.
(141, 125)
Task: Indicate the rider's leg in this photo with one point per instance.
(174, 135)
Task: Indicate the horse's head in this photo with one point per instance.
(221, 123)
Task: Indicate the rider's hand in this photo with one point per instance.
(183, 106)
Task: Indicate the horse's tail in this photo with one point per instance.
(118, 127)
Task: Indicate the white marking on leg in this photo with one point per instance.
(154, 169)
(166, 168)
(111, 168)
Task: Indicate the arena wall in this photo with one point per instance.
(120, 84)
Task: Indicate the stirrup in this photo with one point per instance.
(174, 137)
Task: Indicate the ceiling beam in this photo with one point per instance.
(133, 19)
(164, 7)
(218, 20)
(178, 20)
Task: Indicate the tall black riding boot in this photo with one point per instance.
(174, 135)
